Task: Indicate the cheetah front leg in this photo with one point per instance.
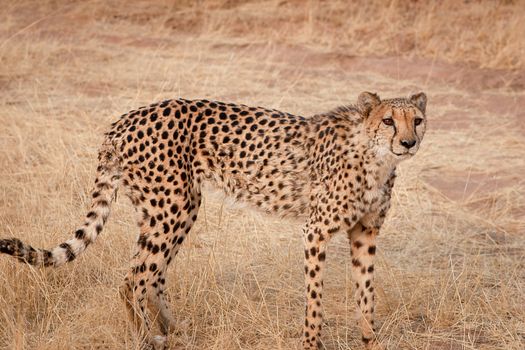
(316, 238)
(363, 249)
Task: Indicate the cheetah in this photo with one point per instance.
(336, 170)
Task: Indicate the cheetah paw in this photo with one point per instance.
(374, 345)
(158, 342)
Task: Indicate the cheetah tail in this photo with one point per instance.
(106, 184)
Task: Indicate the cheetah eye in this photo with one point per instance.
(388, 121)
(418, 121)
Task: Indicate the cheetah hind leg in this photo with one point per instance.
(143, 290)
(158, 305)
(138, 316)
(134, 297)
(161, 311)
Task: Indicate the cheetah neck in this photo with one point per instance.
(379, 165)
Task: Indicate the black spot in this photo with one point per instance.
(80, 234)
(313, 251)
(142, 241)
(70, 255)
(155, 249)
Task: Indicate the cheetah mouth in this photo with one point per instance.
(404, 154)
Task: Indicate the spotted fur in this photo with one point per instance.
(335, 169)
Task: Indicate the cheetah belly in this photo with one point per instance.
(215, 194)
(283, 193)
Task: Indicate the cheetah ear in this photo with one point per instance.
(367, 101)
(419, 100)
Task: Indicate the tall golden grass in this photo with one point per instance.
(450, 256)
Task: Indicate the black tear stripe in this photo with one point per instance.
(392, 140)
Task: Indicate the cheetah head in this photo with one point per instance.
(395, 126)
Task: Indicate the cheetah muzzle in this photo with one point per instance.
(335, 169)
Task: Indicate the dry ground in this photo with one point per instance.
(451, 254)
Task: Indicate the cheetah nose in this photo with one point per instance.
(408, 143)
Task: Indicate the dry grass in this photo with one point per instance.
(451, 255)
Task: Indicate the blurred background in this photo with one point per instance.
(451, 256)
